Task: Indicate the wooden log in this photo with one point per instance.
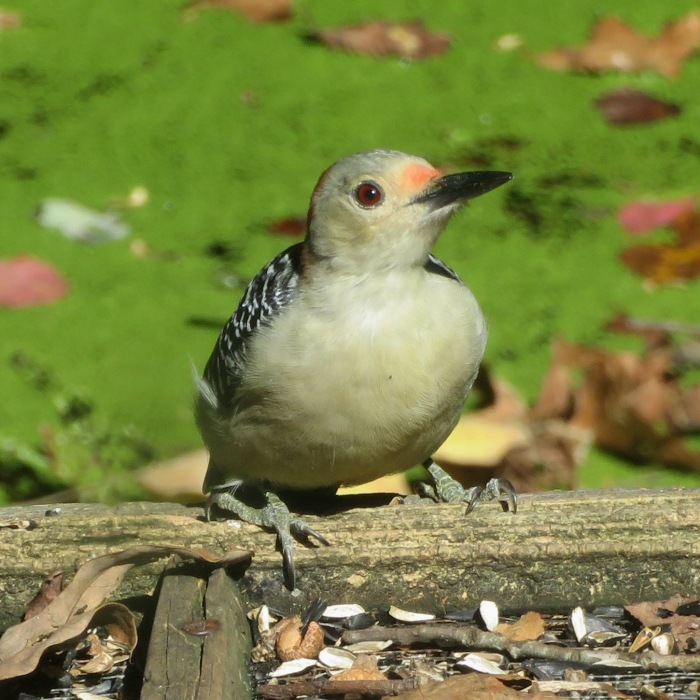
(174, 657)
(560, 549)
(226, 655)
(200, 639)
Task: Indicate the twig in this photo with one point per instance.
(629, 324)
(449, 635)
(295, 689)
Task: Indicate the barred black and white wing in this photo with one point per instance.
(437, 267)
(267, 294)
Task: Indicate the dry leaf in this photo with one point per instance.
(474, 686)
(643, 216)
(48, 592)
(614, 45)
(393, 483)
(663, 263)
(629, 403)
(409, 40)
(9, 20)
(72, 612)
(632, 405)
(293, 226)
(482, 438)
(119, 625)
(178, 479)
(685, 628)
(666, 263)
(363, 669)
(478, 441)
(549, 459)
(256, 10)
(528, 628)
(503, 439)
(628, 106)
(26, 281)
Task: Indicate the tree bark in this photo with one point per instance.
(561, 549)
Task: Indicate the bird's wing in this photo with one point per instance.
(437, 267)
(266, 295)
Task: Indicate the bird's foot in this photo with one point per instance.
(448, 490)
(272, 515)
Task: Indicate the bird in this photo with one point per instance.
(351, 354)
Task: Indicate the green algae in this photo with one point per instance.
(228, 124)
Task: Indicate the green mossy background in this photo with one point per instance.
(228, 124)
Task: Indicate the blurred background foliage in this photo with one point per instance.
(227, 123)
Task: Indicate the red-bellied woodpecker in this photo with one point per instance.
(351, 354)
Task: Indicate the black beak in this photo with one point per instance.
(461, 186)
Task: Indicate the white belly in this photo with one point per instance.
(345, 388)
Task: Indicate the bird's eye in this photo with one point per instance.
(368, 194)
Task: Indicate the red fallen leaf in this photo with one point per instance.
(256, 10)
(288, 227)
(405, 39)
(644, 215)
(26, 281)
(614, 45)
(628, 106)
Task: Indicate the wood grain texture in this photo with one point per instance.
(561, 549)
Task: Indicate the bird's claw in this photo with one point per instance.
(275, 516)
(300, 528)
(448, 490)
(500, 490)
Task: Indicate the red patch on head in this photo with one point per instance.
(415, 175)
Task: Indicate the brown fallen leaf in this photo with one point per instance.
(9, 20)
(631, 404)
(72, 612)
(410, 40)
(48, 592)
(483, 437)
(663, 263)
(503, 439)
(627, 106)
(256, 10)
(667, 263)
(292, 226)
(685, 628)
(527, 628)
(474, 686)
(115, 643)
(614, 45)
(364, 668)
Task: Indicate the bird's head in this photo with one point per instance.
(382, 209)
